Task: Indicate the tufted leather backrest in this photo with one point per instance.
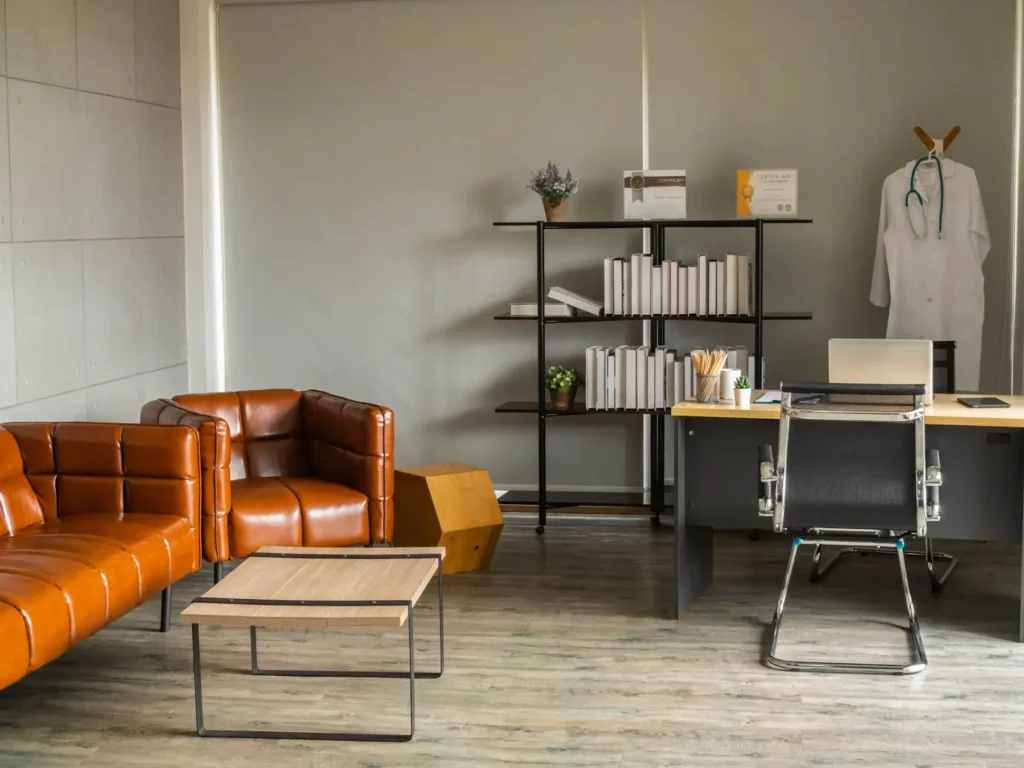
(266, 429)
(19, 507)
(110, 469)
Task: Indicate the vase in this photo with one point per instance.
(562, 399)
(556, 212)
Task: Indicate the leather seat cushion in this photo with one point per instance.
(295, 511)
(44, 610)
(14, 661)
(83, 588)
(117, 566)
(161, 546)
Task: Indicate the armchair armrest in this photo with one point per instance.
(215, 459)
(352, 443)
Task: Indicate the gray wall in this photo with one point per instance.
(92, 292)
(368, 146)
(845, 85)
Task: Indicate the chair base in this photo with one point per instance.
(938, 580)
(919, 660)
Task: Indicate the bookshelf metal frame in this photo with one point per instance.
(659, 499)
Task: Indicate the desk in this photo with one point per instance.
(717, 483)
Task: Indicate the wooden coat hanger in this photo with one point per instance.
(931, 145)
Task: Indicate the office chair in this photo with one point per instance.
(944, 381)
(851, 472)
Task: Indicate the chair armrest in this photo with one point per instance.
(932, 483)
(352, 443)
(768, 478)
(215, 458)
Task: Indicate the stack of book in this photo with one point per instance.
(641, 379)
(706, 288)
(551, 309)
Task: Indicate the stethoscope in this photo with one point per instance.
(913, 191)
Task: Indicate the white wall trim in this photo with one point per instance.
(204, 235)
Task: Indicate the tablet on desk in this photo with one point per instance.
(983, 402)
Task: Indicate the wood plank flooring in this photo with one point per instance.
(563, 654)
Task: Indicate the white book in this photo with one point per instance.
(659, 377)
(712, 288)
(634, 284)
(670, 378)
(601, 378)
(617, 308)
(645, 284)
(631, 359)
(582, 303)
(652, 380)
(683, 300)
(656, 296)
(620, 376)
(641, 378)
(610, 381)
(731, 357)
(732, 282)
(627, 297)
(742, 359)
(609, 286)
(742, 284)
(551, 309)
(692, 286)
(688, 379)
(720, 278)
(679, 380)
(591, 374)
(750, 372)
(752, 300)
(666, 289)
(673, 288)
(702, 284)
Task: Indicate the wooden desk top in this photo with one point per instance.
(945, 410)
(270, 578)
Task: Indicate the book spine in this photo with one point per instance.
(731, 284)
(601, 378)
(656, 278)
(620, 377)
(720, 278)
(617, 287)
(634, 300)
(673, 287)
(659, 378)
(631, 366)
(692, 284)
(670, 378)
(645, 285)
(610, 381)
(712, 288)
(702, 285)
(683, 301)
(609, 286)
(688, 382)
(742, 286)
(652, 380)
(641, 378)
(678, 381)
(591, 374)
(665, 284)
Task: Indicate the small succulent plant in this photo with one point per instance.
(561, 379)
(552, 186)
(742, 383)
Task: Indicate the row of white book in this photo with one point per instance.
(638, 378)
(709, 287)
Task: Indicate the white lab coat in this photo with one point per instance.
(934, 288)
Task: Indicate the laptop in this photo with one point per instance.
(881, 361)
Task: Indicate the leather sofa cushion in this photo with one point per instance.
(295, 511)
(14, 661)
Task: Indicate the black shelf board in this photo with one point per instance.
(578, 409)
(648, 223)
(738, 319)
(557, 499)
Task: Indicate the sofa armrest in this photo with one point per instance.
(215, 458)
(353, 443)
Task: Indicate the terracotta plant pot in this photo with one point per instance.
(556, 212)
(562, 399)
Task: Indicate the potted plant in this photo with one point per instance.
(562, 384)
(555, 190)
(743, 392)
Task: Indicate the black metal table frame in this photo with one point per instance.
(411, 675)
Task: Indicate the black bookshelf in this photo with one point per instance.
(658, 499)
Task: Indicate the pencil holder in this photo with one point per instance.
(707, 387)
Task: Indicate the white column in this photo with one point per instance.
(204, 239)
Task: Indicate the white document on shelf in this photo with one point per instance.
(620, 376)
(610, 381)
(652, 380)
(645, 284)
(673, 288)
(659, 377)
(634, 284)
(616, 287)
(692, 288)
(641, 378)
(591, 374)
(670, 377)
(656, 278)
(601, 378)
(631, 374)
(720, 278)
(609, 286)
(712, 288)
(702, 285)
(742, 284)
(731, 284)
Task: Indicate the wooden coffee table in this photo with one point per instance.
(321, 587)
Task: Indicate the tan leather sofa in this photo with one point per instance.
(288, 468)
(94, 520)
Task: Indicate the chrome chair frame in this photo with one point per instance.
(927, 479)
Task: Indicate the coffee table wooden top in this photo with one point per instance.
(373, 574)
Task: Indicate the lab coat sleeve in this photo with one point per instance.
(979, 225)
(880, 279)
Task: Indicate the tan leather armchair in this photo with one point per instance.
(287, 468)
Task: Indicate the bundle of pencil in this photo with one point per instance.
(708, 363)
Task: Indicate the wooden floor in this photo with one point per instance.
(563, 654)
